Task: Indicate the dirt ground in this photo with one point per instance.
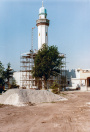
(72, 115)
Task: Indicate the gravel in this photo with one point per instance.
(22, 97)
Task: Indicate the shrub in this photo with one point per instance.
(55, 88)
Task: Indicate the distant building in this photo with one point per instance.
(78, 78)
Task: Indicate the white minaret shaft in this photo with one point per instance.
(42, 24)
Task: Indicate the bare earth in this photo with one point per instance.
(72, 115)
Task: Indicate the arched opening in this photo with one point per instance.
(88, 82)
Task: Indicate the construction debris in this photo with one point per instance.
(22, 97)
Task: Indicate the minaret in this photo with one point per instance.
(42, 24)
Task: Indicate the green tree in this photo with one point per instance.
(8, 74)
(2, 81)
(2, 77)
(55, 87)
(47, 63)
(1, 70)
(14, 84)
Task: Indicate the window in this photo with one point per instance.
(68, 82)
(46, 33)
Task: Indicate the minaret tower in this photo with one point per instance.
(42, 24)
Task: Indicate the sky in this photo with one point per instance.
(69, 30)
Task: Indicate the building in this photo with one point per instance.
(24, 77)
(27, 59)
(78, 78)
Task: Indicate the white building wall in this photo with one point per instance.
(78, 77)
(42, 17)
(77, 73)
(42, 35)
(16, 76)
(75, 82)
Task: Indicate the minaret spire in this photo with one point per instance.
(42, 3)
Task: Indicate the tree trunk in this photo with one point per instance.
(45, 84)
(8, 84)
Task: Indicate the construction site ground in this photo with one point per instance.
(72, 115)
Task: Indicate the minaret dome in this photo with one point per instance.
(42, 12)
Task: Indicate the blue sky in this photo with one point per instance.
(69, 29)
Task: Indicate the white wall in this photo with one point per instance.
(78, 77)
(42, 17)
(77, 73)
(42, 38)
(16, 76)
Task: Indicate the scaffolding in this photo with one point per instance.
(26, 79)
(26, 64)
(63, 78)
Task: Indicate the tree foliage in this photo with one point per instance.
(2, 81)
(47, 63)
(1, 70)
(55, 87)
(8, 71)
(8, 74)
(5, 75)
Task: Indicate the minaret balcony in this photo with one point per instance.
(42, 22)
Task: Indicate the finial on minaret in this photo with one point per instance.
(42, 3)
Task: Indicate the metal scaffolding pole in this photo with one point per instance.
(32, 56)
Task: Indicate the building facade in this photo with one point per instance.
(78, 78)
